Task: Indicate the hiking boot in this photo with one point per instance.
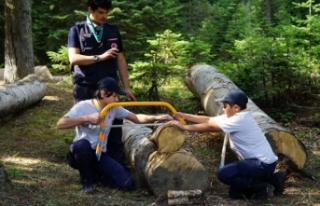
(261, 191)
(88, 190)
(278, 179)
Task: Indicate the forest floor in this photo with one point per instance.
(33, 153)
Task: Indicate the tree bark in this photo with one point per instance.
(178, 170)
(21, 94)
(208, 84)
(268, 11)
(161, 171)
(19, 59)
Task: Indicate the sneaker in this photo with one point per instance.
(88, 190)
(262, 194)
(279, 179)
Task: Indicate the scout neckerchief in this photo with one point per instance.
(92, 29)
(224, 148)
(102, 132)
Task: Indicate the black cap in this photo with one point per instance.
(111, 85)
(235, 96)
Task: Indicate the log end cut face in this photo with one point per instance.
(175, 171)
(285, 143)
(171, 139)
(168, 138)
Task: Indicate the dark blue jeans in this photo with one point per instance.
(241, 173)
(107, 171)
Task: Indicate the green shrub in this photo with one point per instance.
(61, 64)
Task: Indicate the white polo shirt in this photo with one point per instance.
(91, 132)
(246, 137)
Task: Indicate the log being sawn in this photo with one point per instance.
(208, 84)
(158, 163)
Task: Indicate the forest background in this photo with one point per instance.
(270, 49)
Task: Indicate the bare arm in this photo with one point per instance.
(142, 118)
(123, 73)
(192, 118)
(67, 122)
(202, 127)
(76, 58)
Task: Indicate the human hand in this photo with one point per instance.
(177, 123)
(130, 96)
(94, 118)
(163, 117)
(178, 115)
(109, 54)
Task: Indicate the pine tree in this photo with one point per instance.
(141, 20)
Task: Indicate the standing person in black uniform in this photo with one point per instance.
(95, 52)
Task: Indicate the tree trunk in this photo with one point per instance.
(3, 174)
(162, 171)
(21, 94)
(268, 11)
(19, 60)
(208, 84)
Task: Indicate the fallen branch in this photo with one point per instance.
(183, 193)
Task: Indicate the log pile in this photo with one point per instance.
(158, 161)
(208, 84)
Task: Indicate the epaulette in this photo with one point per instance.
(80, 23)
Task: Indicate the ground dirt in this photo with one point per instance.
(33, 153)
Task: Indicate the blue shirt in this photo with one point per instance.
(81, 37)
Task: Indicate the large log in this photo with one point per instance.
(208, 84)
(21, 94)
(178, 170)
(161, 171)
(137, 148)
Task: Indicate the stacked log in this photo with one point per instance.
(158, 161)
(208, 84)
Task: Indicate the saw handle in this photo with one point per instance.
(130, 104)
